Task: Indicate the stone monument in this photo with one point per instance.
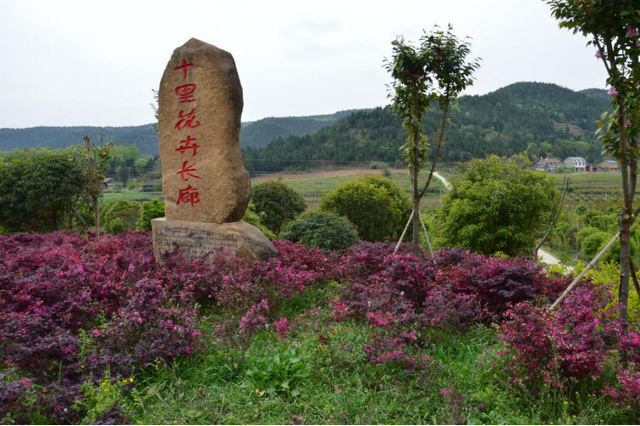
(205, 184)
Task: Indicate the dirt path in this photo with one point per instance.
(443, 180)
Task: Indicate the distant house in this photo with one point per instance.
(578, 164)
(548, 164)
(608, 166)
(108, 183)
(150, 185)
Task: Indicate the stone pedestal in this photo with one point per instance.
(195, 239)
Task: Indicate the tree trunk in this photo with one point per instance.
(625, 265)
(416, 210)
(414, 175)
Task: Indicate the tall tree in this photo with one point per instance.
(612, 27)
(437, 70)
(40, 194)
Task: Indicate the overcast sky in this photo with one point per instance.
(82, 62)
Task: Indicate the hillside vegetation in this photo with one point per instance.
(255, 133)
(537, 117)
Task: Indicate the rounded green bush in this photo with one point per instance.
(275, 203)
(117, 226)
(584, 233)
(377, 206)
(127, 211)
(592, 244)
(252, 218)
(150, 210)
(325, 230)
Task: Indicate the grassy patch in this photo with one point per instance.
(466, 384)
(131, 196)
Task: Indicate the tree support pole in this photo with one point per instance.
(427, 237)
(584, 271)
(403, 232)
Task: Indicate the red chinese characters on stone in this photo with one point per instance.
(184, 68)
(186, 93)
(187, 144)
(188, 195)
(187, 120)
(188, 171)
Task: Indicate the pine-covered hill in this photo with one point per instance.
(256, 133)
(259, 133)
(540, 118)
(144, 137)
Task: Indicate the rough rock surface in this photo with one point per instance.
(200, 107)
(195, 239)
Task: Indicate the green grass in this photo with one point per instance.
(343, 388)
(131, 196)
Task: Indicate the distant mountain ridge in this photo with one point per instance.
(255, 133)
(541, 118)
(144, 137)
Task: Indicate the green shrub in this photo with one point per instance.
(581, 209)
(127, 211)
(602, 221)
(584, 233)
(117, 226)
(252, 218)
(613, 255)
(376, 206)
(275, 203)
(497, 204)
(150, 210)
(326, 230)
(592, 244)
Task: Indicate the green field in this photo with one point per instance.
(312, 189)
(598, 191)
(107, 197)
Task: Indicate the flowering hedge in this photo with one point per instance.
(72, 308)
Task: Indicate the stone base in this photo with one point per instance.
(195, 239)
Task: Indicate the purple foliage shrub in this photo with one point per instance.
(570, 343)
(496, 282)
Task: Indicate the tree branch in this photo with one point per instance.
(565, 186)
(439, 143)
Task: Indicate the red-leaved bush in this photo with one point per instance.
(570, 343)
(70, 306)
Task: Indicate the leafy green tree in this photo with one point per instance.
(377, 206)
(40, 194)
(93, 160)
(326, 230)
(497, 205)
(435, 71)
(612, 27)
(275, 203)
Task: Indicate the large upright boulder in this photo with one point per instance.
(205, 184)
(200, 107)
